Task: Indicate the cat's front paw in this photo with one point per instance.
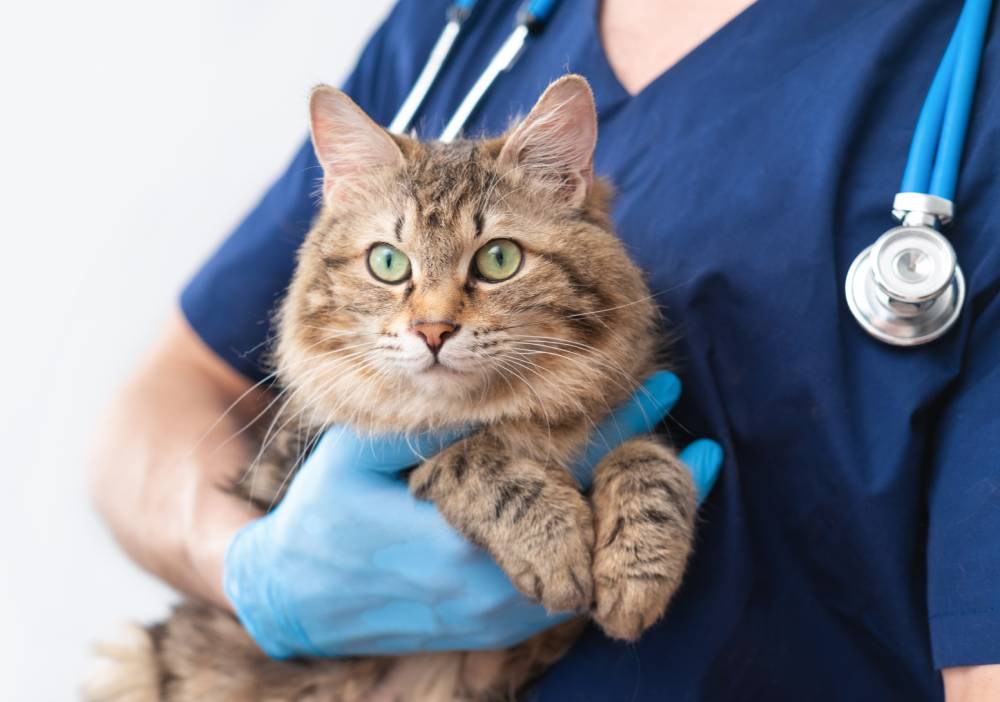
(530, 517)
(625, 607)
(644, 504)
(635, 577)
(553, 566)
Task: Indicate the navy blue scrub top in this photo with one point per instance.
(852, 543)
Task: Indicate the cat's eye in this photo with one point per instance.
(498, 260)
(388, 264)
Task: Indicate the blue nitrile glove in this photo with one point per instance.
(350, 563)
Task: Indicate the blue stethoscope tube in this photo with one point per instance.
(938, 140)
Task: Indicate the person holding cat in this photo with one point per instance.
(849, 550)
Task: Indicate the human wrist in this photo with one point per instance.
(978, 683)
(204, 559)
(213, 520)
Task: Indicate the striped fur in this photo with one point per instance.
(534, 363)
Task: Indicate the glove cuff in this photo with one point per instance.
(256, 599)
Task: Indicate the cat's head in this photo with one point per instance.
(471, 281)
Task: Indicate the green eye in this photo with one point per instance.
(388, 264)
(498, 260)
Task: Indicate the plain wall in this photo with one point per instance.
(133, 136)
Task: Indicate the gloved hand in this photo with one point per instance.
(349, 563)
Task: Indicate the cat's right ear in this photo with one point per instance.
(348, 143)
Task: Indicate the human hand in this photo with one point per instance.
(350, 563)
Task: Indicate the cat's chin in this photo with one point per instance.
(441, 377)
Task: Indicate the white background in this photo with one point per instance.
(133, 136)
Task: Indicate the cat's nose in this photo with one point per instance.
(434, 333)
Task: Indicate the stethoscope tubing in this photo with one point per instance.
(944, 178)
(531, 19)
(457, 14)
(935, 155)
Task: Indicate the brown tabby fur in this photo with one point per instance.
(537, 362)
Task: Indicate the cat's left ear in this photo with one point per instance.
(349, 145)
(556, 141)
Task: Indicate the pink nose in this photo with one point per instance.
(434, 333)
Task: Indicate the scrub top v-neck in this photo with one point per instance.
(852, 543)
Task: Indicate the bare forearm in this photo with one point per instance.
(978, 683)
(167, 446)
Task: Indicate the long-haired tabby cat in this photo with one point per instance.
(486, 281)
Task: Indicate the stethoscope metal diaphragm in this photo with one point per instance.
(906, 289)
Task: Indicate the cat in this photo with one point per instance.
(486, 280)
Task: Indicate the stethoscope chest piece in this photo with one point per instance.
(906, 289)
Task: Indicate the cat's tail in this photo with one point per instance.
(202, 653)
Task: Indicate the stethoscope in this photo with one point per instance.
(531, 19)
(906, 289)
